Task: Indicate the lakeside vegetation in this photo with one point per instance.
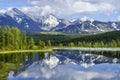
(108, 40)
(22, 44)
(11, 62)
(14, 39)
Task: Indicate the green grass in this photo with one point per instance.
(53, 33)
(49, 49)
(17, 51)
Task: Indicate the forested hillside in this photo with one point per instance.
(54, 38)
(108, 39)
(105, 37)
(14, 39)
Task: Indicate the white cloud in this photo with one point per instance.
(118, 18)
(106, 7)
(70, 7)
(47, 10)
(69, 71)
(83, 7)
(38, 11)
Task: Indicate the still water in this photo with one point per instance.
(60, 65)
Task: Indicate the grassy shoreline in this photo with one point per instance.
(17, 51)
(63, 48)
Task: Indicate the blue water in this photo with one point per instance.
(68, 65)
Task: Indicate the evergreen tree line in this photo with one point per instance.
(14, 39)
(113, 43)
(108, 39)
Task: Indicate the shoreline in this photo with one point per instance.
(18, 51)
(88, 49)
(63, 48)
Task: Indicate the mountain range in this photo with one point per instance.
(50, 23)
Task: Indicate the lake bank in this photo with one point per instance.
(17, 51)
(63, 48)
(88, 49)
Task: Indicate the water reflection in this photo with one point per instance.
(111, 54)
(60, 65)
(17, 62)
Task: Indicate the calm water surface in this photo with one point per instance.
(60, 65)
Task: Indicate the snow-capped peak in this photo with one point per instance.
(14, 11)
(64, 21)
(50, 22)
(17, 15)
(92, 20)
(2, 11)
(84, 19)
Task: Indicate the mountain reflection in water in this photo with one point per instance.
(64, 65)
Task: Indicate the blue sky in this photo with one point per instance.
(13, 3)
(104, 10)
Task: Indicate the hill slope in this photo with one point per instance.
(57, 39)
(108, 38)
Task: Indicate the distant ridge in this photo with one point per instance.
(50, 23)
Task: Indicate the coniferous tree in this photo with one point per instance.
(23, 42)
(71, 44)
(60, 45)
(80, 44)
(102, 44)
(41, 44)
(31, 43)
(3, 40)
(11, 38)
(49, 43)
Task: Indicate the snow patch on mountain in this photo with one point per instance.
(19, 20)
(62, 24)
(50, 22)
(2, 11)
(26, 25)
(114, 26)
(16, 14)
(13, 12)
(92, 20)
(84, 19)
(96, 27)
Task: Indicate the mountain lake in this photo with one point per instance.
(59, 64)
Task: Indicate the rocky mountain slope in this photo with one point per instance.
(16, 18)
